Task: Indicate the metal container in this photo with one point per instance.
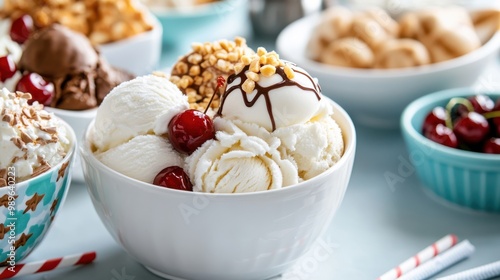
(269, 17)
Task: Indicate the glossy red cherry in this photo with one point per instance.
(173, 177)
(435, 117)
(189, 129)
(472, 128)
(21, 29)
(7, 67)
(480, 102)
(443, 135)
(40, 89)
(492, 146)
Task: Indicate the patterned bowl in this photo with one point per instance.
(465, 178)
(28, 208)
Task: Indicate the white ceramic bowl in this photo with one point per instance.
(79, 121)
(377, 97)
(139, 54)
(187, 235)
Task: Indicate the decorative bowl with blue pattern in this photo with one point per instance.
(28, 208)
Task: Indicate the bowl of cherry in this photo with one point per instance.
(453, 141)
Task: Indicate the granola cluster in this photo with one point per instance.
(102, 21)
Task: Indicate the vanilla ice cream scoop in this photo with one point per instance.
(142, 157)
(31, 139)
(315, 145)
(140, 106)
(270, 92)
(243, 158)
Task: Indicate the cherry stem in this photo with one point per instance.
(452, 103)
(491, 115)
(220, 83)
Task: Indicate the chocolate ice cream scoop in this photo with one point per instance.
(57, 51)
(81, 76)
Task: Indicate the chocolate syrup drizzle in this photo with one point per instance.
(264, 91)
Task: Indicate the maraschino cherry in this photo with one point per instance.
(482, 103)
(189, 129)
(471, 124)
(492, 146)
(7, 67)
(173, 177)
(21, 29)
(471, 128)
(40, 89)
(443, 135)
(435, 117)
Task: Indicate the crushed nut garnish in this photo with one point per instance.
(196, 73)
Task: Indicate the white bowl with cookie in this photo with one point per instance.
(374, 66)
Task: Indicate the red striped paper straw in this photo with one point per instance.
(41, 266)
(426, 254)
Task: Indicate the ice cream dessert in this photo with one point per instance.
(272, 129)
(66, 59)
(57, 66)
(31, 139)
(196, 73)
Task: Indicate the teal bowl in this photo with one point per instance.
(465, 178)
(207, 22)
(28, 208)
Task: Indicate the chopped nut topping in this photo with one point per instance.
(261, 51)
(8, 118)
(268, 70)
(248, 86)
(262, 63)
(18, 142)
(26, 138)
(26, 112)
(252, 76)
(50, 130)
(289, 72)
(198, 70)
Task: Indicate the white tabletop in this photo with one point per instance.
(376, 228)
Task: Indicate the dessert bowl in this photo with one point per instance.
(465, 178)
(377, 97)
(206, 22)
(193, 235)
(139, 54)
(28, 210)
